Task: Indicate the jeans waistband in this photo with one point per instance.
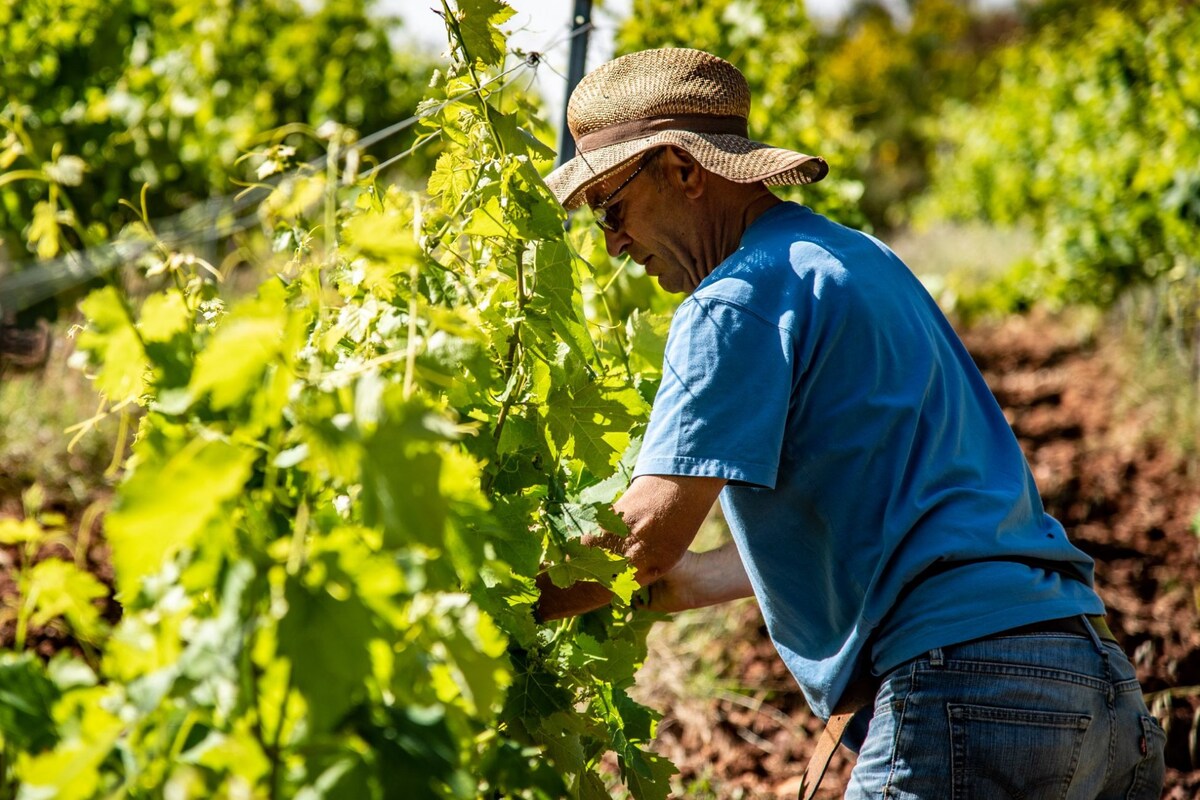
(1077, 625)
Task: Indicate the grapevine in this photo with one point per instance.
(341, 489)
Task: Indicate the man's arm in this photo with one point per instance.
(663, 513)
(700, 579)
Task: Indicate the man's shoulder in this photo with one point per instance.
(789, 222)
(796, 236)
(781, 255)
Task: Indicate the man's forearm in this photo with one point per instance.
(578, 598)
(701, 579)
(719, 576)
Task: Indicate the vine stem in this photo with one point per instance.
(514, 343)
(296, 554)
(331, 181)
(23, 614)
(460, 43)
(23, 175)
(83, 536)
(118, 455)
(278, 738)
(410, 355)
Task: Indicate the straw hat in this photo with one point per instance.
(677, 96)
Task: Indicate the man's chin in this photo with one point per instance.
(670, 281)
(674, 287)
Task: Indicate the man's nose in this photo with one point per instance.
(616, 242)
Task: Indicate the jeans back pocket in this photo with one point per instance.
(1013, 752)
(1149, 773)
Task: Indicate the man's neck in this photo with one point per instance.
(757, 206)
(734, 208)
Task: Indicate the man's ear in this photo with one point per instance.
(682, 169)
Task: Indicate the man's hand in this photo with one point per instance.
(663, 513)
(698, 580)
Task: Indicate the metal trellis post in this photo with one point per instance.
(580, 21)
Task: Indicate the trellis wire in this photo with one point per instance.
(215, 218)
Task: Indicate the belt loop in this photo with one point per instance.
(1092, 633)
(937, 659)
(1099, 645)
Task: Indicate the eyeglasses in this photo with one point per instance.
(605, 218)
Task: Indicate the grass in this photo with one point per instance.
(1160, 366)
(962, 264)
(36, 408)
(973, 252)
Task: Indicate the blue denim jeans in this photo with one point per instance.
(1044, 716)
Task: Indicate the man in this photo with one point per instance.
(881, 509)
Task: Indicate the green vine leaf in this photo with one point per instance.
(57, 588)
(481, 36)
(231, 365)
(164, 506)
(113, 345)
(583, 563)
(592, 423)
(27, 697)
(331, 678)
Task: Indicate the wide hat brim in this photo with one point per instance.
(733, 157)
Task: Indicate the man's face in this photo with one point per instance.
(649, 219)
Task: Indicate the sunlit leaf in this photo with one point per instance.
(163, 316)
(556, 282)
(479, 20)
(249, 337)
(43, 230)
(57, 588)
(161, 509)
(112, 344)
(71, 770)
(20, 531)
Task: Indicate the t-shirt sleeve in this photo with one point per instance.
(722, 406)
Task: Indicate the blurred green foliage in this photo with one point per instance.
(101, 97)
(1092, 137)
(894, 77)
(1078, 120)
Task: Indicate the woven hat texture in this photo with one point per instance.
(670, 96)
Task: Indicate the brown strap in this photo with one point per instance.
(856, 696)
(1100, 626)
(641, 128)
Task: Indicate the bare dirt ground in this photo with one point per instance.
(1126, 498)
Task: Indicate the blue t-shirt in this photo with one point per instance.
(863, 451)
